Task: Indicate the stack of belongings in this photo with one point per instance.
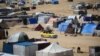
(94, 51)
(55, 50)
(6, 54)
(80, 9)
(29, 48)
(14, 39)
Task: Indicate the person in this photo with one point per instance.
(75, 25)
(6, 33)
(78, 49)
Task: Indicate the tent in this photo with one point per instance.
(2, 1)
(64, 26)
(17, 37)
(55, 50)
(39, 27)
(32, 20)
(6, 54)
(88, 29)
(25, 49)
(94, 51)
(43, 18)
(88, 17)
(55, 1)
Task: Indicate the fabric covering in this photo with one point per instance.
(64, 26)
(17, 37)
(32, 20)
(88, 29)
(6, 54)
(55, 50)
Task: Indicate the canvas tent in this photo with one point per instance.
(32, 20)
(43, 18)
(55, 50)
(88, 29)
(6, 54)
(39, 27)
(64, 26)
(55, 1)
(17, 37)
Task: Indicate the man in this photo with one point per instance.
(75, 25)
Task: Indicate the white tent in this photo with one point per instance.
(55, 50)
(20, 36)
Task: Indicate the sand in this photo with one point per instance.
(62, 9)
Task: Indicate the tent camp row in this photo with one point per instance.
(45, 1)
(86, 28)
(14, 45)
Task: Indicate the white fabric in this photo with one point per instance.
(5, 54)
(55, 50)
(14, 37)
(71, 17)
(1, 20)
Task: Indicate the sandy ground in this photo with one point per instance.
(62, 9)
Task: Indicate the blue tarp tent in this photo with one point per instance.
(54, 1)
(88, 18)
(32, 20)
(63, 26)
(88, 29)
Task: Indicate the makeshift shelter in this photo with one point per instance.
(43, 18)
(37, 2)
(55, 1)
(6, 54)
(94, 51)
(88, 29)
(55, 50)
(25, 49)
(39, 27)
(97, 30)
(2, 1)
(63, 27)
(41, 44)
(88, 17)
(17, 37)
(80, 12)
(33, 20)
(14, 39)
(59, 21)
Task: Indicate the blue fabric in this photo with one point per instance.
(88, 28)
(63, 26)
(54, 1)
(32, 20)
(88, 19)
(25, 43)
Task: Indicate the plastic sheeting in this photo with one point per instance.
(88, 29)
